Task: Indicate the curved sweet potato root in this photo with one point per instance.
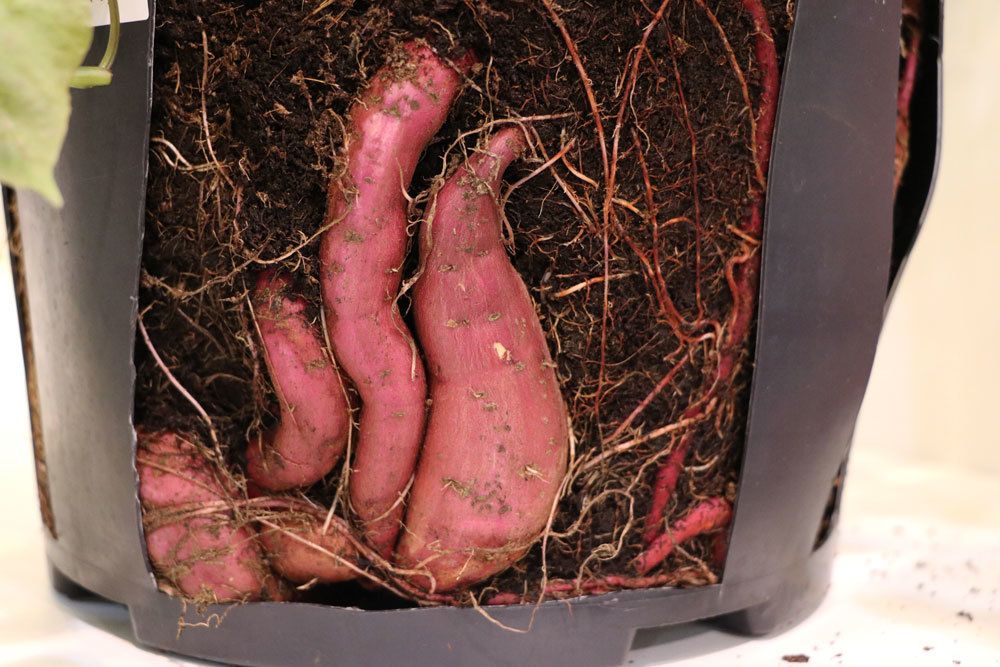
(706, 516)
(361, 256)
(207, 556)
(305, 445)
(496, 447)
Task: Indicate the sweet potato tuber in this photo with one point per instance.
(300, 550)
(496, 447)
(304, 446)
(361, 256)
(194, 542)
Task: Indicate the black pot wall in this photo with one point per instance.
(826, 262)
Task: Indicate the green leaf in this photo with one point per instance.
(43, 42)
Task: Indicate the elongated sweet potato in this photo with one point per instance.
(496, 446)
(195, 544)
(305, 445)
(399, 113)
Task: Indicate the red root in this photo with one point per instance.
(663, 489)
(767, 103)
(612, 582)
(504, 598)
(742, 273)
(670, 471)
(561, 588)
(706, 516)
(720, 547)
(907, 83)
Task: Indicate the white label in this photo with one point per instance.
(129, 11)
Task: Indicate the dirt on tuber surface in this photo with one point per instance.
(199, 544)
(492, 386)
(312, 433)
(362, 255)
(630, 219)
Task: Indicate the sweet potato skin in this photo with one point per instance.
(312, 432)
(173, 471)
(497, 438)
(405, 104)
(209, 557)
(291, 557)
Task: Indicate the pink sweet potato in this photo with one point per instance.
(300, 551)
(496, 446)
(312, 433)
(173, 471)
(194, 542)
(362, 254)
(209, 559)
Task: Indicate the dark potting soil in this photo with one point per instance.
(249, 101)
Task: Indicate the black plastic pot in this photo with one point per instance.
(826, 275)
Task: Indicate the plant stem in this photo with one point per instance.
(114, 34)
(91, 77)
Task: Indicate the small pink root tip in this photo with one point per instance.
(419, 50)
(466, 62)
(274, 300)
(507, 145)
